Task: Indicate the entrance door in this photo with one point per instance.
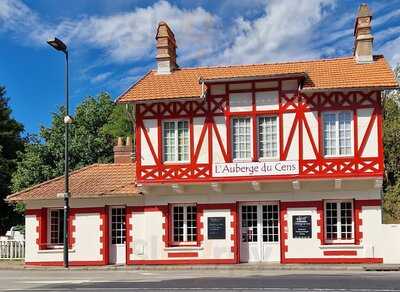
(259, 232)
(118, 235)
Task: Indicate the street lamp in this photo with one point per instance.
(60, 46)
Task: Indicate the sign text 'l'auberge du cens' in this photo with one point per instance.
(255, 168)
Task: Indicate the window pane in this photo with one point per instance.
(270, 223)
(345, 133)
(330, 143)
(57, 226)
(183, 141)
(241, 138)
(169, 141)
(267, 135)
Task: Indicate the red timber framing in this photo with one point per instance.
(290, 101)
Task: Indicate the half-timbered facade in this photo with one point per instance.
(278, 162)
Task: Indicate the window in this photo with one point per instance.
(241, 138)
(176, 141)
(118, 230)
(56, 219)
(184, 227)
(339, 221)
(267, 137)
(337, 133)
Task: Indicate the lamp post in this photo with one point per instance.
(60, 46)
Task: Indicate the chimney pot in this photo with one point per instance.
(123, 153)
(166, 49)
(363, 39)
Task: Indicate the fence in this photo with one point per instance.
(12, 250)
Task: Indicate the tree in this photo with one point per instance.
(10, 143)
(391, 138)
(91, 141)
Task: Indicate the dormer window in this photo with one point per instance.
(176, 141)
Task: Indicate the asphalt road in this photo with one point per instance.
(207, 280)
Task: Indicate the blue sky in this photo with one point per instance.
(112, 41)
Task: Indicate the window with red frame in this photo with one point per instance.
(184, 224)
(339, 222)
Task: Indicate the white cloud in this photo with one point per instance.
(391, 51)
(101, 77)
(123, 37)
(282, 33)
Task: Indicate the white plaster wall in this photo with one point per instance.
(240, 102)
(288, 119)
(364, 117)
(312, 120)
(146, 156)
(31, 235)
(198, 124)
(220, 122)
(218, 248)
(302, 247)
(87, 237)
(147, 233)
(390, 243)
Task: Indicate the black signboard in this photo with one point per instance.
(302, 226)
(216, 228)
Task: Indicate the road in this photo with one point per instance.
(197, 280)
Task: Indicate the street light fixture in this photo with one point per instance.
(60, 46)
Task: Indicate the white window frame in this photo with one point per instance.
(185, 225)
(339, 223)
(251, 139)
(337, 148)
(49, 225)
(260, 158)
(177, 141)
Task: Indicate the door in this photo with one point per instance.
(118, 235)
(259, 232)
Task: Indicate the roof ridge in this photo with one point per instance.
(274, 63)
(51, 180)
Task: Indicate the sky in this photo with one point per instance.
(112, 42)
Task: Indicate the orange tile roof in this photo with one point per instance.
(338, 73)
(91, 181)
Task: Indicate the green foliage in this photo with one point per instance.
(10, 143)
(122, 121)
(391, 139)
(91, 141)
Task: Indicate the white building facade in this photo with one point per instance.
(277, 163)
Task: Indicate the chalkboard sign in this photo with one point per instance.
(302, 226)
(216, 227)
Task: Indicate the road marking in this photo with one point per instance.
(201, 289)
(57, 282)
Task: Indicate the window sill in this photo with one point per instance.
(341, 246)
(183, 247)
(55, 250)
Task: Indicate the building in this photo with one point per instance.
(274, 162)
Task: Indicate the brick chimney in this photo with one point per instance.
(363, 37)
(123, 151)
(166, 49)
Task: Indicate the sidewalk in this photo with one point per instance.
(12, 265)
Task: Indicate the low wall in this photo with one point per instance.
(390, 243)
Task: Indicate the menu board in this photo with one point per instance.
(216, 228)
(302, 226)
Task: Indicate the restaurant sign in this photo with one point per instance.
(265, 168)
